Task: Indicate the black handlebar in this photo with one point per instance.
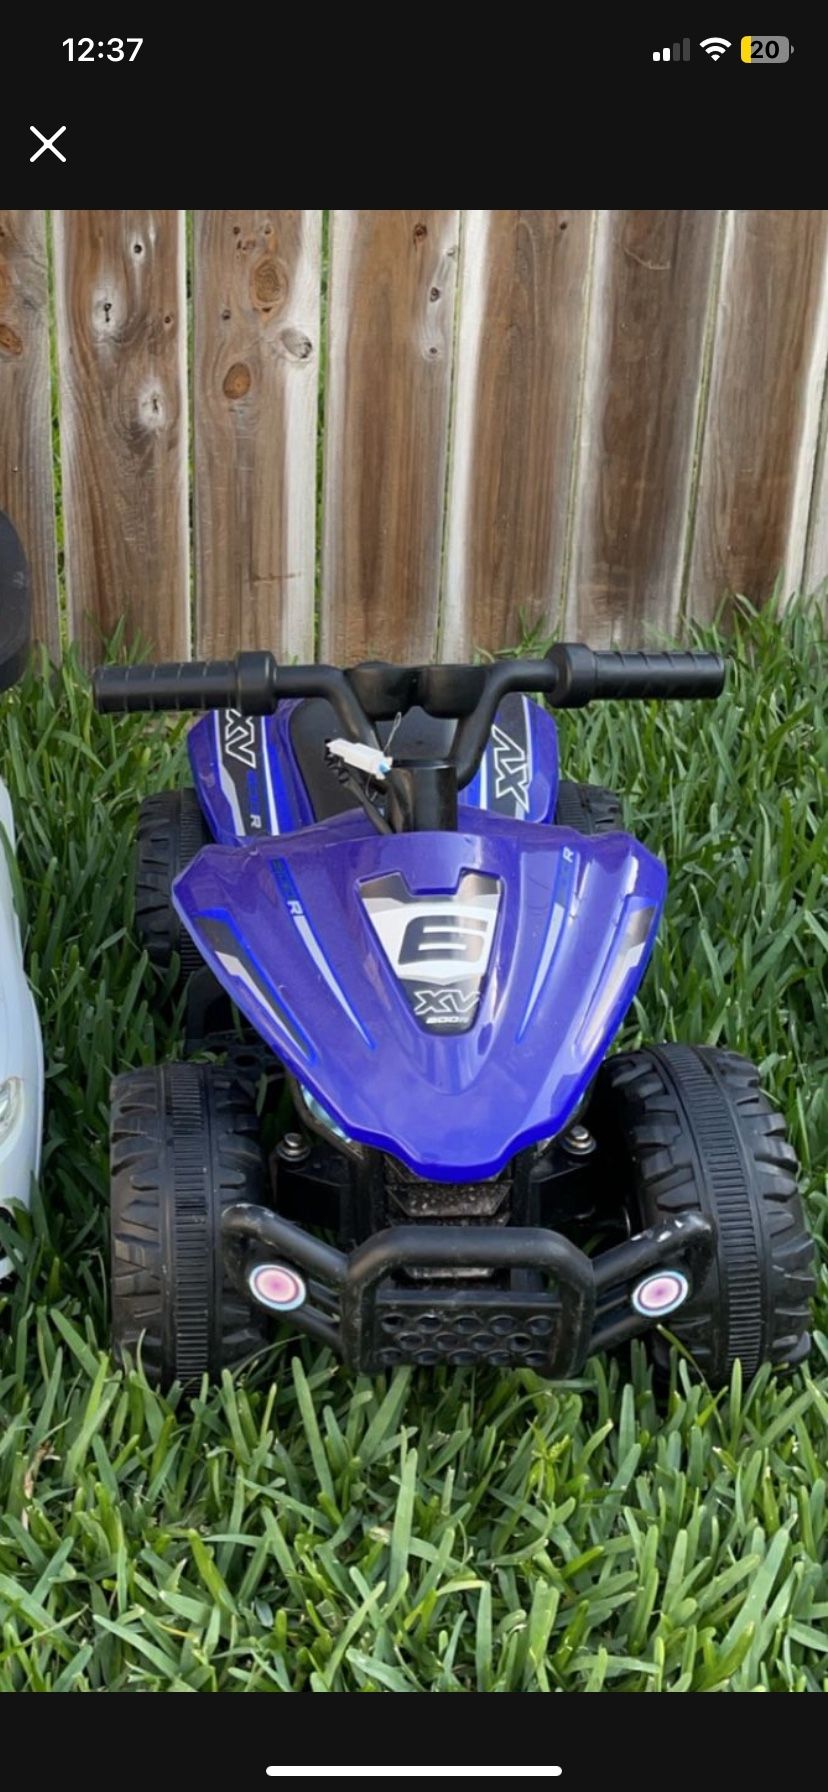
(585, 675)
(247, 683)
(251, 683)
(570, 676)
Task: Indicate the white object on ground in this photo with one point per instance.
(21, 1049)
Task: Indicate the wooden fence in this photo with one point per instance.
(410, 434)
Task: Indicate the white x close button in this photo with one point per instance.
(47, 143)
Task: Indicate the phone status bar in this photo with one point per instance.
(757, 52)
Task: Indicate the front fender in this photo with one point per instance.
(447, 997)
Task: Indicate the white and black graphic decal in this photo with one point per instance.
(244, 772)
(236, 961)
(629, 951)
(239, 737)
(509, 759)
(439, 947)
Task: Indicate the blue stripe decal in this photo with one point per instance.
(559, 908)
(271, 813)
(313, 945)
(254, 802)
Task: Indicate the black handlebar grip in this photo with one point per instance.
(247, 683)
(659, 675)
(583, 675)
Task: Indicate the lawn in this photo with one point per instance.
(296, 1529)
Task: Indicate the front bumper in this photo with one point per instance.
(546, 1305)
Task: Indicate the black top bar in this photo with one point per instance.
(570, 676)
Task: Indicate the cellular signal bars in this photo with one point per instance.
(679, 53)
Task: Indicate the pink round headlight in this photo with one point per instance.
(277, 1287)
(660, 1294)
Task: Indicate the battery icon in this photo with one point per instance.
(766, 49)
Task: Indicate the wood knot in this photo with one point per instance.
(10, 342)
(268, 284)
(296, 344)
(420, 233)
(152, 408)
(237, 381)
(107, 312)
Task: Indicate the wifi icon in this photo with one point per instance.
(715, 46)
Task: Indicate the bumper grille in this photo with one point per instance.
(462, 1335)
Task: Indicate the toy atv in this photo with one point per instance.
(21, 1049)
(437, 943)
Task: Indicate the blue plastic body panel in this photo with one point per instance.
(446, 997)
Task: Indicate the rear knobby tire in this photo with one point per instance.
(184, 1146)
(588, 808)
(171, 831)
(696, 1134)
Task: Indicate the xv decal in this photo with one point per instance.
(511, 768)
(445, 1007)
(240, 737)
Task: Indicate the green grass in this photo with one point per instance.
(453, 1532)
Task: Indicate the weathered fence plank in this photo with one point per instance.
(26, 487)
(813, 493)
(524, 291)
(762, 415)
(122, 357)
(257, 323)
(642, 388)
(391, 311)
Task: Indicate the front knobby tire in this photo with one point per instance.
(694, 1133)
(184, 1146)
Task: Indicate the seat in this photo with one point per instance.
(313, 722)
